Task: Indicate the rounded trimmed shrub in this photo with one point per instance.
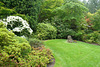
(46, 31)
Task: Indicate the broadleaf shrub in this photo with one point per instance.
(46, 31)
(63, 28)
(96, 21)
(93, 37)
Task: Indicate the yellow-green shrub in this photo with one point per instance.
(46, 31)
(11, 48)
(6, 37)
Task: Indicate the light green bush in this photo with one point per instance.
(11, 48)
(6, 37)
(46, 31)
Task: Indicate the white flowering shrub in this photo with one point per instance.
(18, 25)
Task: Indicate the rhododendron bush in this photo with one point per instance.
(18, 25)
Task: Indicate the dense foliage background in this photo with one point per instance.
(44, 19)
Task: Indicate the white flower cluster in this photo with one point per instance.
(12, 19)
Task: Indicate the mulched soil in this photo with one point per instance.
(51, 64)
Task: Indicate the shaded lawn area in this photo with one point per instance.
(78, 54)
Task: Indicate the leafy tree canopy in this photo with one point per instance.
(70, 11)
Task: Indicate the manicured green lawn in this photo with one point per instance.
(78, 54)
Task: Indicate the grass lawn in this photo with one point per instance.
(78, 54)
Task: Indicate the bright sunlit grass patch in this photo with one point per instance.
(78, 54)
